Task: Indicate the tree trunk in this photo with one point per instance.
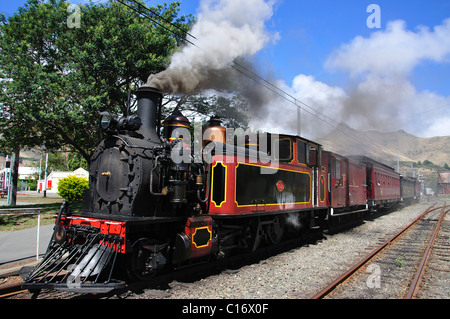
(14, 177)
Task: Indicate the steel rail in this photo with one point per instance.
(327, 290)
(415, 286)
(11, 290)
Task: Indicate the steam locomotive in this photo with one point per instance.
(158, 201)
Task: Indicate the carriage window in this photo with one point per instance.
(284, 149)
(333, 168)
(338, 169)
(302, 152)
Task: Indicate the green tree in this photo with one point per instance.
(56, 79)
(75, 160)
(71, 188)
(231, 108)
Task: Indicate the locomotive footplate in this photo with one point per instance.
(84, 288)
(134, 220)
(80, 259)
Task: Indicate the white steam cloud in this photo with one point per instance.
(379, 94)
(226, 30)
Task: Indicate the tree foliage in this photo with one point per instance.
(71, 188)
(232, 109)
(55, 79)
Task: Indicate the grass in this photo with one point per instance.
(400, 260)
(17, 222)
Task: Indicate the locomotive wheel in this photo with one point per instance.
(143, 262)
(253, 236)
(275, 230)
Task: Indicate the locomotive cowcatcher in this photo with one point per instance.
(155, 202)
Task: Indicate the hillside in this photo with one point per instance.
(27, 158)
(385, 147)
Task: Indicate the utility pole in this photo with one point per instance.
(8, 179)
(39, 179)
(14, 176)
(45, 183)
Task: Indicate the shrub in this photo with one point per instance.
(72, 187)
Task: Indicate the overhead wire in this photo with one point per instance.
(252, 75)
(155, 21)
(238, 67)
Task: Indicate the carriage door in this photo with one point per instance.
(338, 198)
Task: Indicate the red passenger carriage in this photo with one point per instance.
(383, 183)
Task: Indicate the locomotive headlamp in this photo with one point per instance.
(107, 121)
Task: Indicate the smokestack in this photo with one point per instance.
(149, 99)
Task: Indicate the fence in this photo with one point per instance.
(26, 211)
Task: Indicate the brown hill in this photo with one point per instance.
(28, 157)
(385, 147)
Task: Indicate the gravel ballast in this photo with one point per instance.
(299, 272)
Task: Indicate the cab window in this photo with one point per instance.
(302, 151)
(284, 152)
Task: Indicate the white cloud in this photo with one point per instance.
(383, 97)
(440, 127)
(308, 89)
(395, 51)
(323, 103)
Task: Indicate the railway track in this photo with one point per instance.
(391, 261)
(398, 268)
(189, 273)
(433, 279)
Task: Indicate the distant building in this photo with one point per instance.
(443, 182)
(24, 173)
(27, 172)
(54, 177)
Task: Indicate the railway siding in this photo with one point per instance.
(435, 283)
(390, 273)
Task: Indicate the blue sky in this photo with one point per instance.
(315, 54)
(311, 30)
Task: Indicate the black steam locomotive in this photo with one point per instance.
(155, 202)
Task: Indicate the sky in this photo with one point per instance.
(383, 67)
